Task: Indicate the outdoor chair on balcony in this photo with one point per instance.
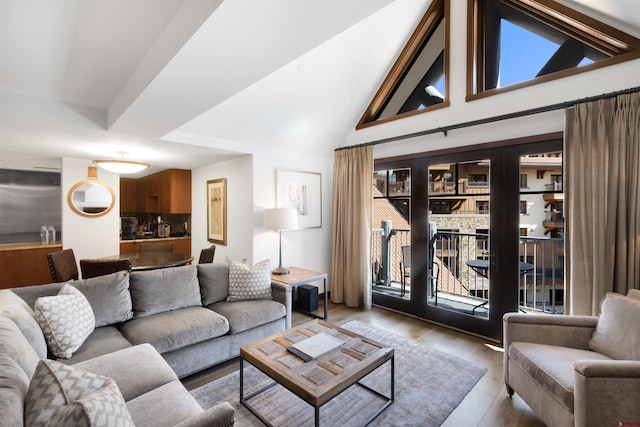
(405, 268)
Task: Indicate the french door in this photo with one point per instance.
(467, 215)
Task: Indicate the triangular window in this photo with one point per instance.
(418, 81)
(518, 43)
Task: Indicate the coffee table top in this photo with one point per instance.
(319, 380)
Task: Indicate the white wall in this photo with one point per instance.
(239, 173)
(89, 237)
(251, 188)
(592, 83)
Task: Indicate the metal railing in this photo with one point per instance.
(541, 282)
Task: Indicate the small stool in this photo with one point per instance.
(307, 298)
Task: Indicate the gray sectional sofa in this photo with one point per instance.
(151, 328)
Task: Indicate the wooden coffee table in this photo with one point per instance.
(320, 380)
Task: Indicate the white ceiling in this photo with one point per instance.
(186, 83)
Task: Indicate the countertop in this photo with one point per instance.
(28, 246)
(154, 239)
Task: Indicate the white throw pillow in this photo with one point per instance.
(249, 283)
(66, 319)
(61, 395)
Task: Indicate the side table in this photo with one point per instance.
(300, 276)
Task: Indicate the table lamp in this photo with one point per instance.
(281, 219)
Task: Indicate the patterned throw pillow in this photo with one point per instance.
(61, 395)
(248, 283)
(66, 320)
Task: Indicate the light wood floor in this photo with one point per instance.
(487, 404)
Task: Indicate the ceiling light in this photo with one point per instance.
(121, 166)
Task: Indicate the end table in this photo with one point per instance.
(300, 276)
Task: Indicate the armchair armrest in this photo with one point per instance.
(606, 392)
(221, 415)
(284, 295)
(550, 329)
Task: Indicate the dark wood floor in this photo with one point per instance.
(487, 404)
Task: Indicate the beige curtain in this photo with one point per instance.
(603, 207)
(350, 277)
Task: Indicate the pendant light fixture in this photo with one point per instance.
(121, 165)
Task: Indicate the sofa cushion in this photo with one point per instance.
(551, 366)
(165, 289)
(104, 340)
(214, 282)
(58, 391)
(244, 315)
(14, 384)
(66, 320)
(176, 329)
(617, 334)
(16, 309)
(109, 297)
(14, 345)
(249, 283)
(168, 405)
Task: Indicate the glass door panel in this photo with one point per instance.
(459, 200)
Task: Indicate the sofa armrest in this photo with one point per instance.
(221, 415)
(136, 370)
(550, 329)
(606, 392)
(283, 294)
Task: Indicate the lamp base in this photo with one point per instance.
(281, 271)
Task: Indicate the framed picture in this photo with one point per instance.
(302, 191)
(217, 211)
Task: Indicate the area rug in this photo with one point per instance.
(429, 384)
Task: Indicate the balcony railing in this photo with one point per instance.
(541, 282)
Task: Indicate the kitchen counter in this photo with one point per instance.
(154, 239)
(29, 245)
(180, 244)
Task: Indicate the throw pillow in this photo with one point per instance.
(214, 282)
(61, 395)
(164, 289)
(66, 320)
(16, 309)
(109, 297)
(249, 283)
(617, 335)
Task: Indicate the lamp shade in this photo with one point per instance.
(121, 166)
(280, 219)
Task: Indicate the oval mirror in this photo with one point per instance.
(91, 198)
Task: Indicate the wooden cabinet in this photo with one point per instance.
(174, 191)
(180, 245)
(128, 201)
(25, 264)
(166, 192)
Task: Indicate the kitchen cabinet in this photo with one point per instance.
(180, 244)
(25, 264)
(128, 201)
(166, 192)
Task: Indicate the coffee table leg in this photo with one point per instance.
(241, 379)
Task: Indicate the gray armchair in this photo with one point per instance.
(577, 370)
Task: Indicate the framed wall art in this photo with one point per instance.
(217, 211)
(302, 191)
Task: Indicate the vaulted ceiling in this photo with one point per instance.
(186, 83)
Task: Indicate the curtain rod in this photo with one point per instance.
(522, 113)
